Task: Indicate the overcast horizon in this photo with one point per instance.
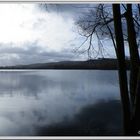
(29, 33)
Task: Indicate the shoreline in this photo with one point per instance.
(98, 64)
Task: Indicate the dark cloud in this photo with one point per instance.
(28, 53)
(57, 34)
(67, 10)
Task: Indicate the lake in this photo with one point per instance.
(60, 103)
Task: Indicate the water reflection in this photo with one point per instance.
(33, 100)
(94, 120)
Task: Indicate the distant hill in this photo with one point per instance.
(101, 64)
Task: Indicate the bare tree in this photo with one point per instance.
(112, 24)
(120, 24)
(100, 21)
(122, 67)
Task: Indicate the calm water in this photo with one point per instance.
(58, 102)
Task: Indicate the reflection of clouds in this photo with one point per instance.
(7, 124)
(40, 98)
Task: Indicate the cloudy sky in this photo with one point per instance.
(31, 34)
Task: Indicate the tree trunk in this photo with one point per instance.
(136, 116)
(122, 68)
(134, 55)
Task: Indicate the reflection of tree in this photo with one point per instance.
(109, 22)
(94, 120)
